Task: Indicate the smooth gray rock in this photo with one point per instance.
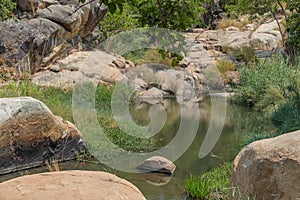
(152, 93)
(158, 164)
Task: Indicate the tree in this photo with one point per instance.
(172, 14)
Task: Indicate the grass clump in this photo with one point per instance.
(225, 66)
(210, 185)
(243, 54)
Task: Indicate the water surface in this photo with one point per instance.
(239, 121)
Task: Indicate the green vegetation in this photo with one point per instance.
(210, 185)
(142, 56)
(6, 9)
(173, 14)
(268, 83)
(60, 103)
(273, 87)
(120, 20)
(293, 28)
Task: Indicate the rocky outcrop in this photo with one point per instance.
(269, 169)
(263, 36)
(70, 185)
(152, 81)
(30, 135)
(95, 66)
(158, 164)
(31, 44)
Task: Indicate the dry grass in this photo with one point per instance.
(52, 166)
(225, 23)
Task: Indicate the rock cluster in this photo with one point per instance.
(269, 169)
(31, 44)
(30, 135)
(152, 82)
(212, 44)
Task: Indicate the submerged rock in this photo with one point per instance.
(158, 164)
(31, 135)
(269, 169)
(70, 185)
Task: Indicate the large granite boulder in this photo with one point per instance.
(69, 185)
(266, 36)
(269, 169)
(31, 44)
(31, 135)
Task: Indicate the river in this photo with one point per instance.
(239, 121)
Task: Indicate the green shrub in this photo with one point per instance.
(267, 84)
(6, 9)
(120, 20)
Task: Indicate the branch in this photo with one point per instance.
(282, 34)
(283, 9)
(91, 1)
(161, 14)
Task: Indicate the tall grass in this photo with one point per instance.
(210, 185)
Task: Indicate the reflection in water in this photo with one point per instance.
(238, 122)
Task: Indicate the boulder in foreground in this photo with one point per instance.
(31, 135)
(69, 185)
(269, 169)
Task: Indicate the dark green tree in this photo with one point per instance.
(172, 14)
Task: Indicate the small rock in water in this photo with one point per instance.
(158, 164)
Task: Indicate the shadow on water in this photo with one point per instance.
(239, 121)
